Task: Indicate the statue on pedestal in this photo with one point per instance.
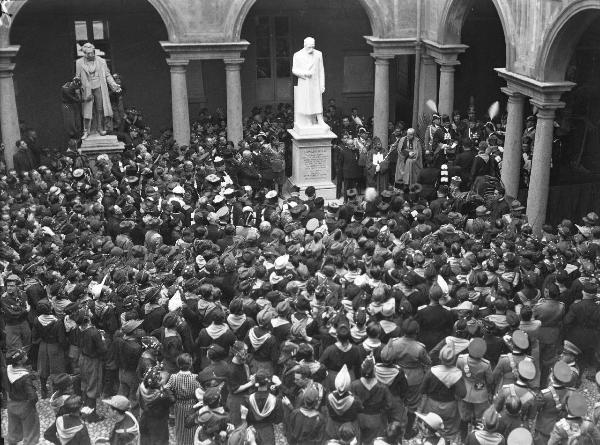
(95, 81)
(308, 67)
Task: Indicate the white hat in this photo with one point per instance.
(434, 421)
(175, 302)
(281, 262)
(219, 198)
(179, 190)
(271, 194)
(342, 379)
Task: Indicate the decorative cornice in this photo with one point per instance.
(205, 51)
(543, 94)
(389, 48)
(444, 54)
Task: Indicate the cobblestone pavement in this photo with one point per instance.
(102, 429)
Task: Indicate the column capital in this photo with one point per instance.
(426, 59)
(546, 110)
(447, 68)
(381, 59)
(512, 93)
(233, 64)
(6, 69)
(178, 65)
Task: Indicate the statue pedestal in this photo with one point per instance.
(95, 144)
(311, 160)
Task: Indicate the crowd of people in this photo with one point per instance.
(184, 285)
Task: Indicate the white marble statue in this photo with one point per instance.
(308, 67)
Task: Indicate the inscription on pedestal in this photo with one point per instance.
(315, 162)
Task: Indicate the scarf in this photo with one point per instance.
(488, 438)
(447, 375)
(15, 374)
(276, 322)
(148, 395)
(216, 330)
(256, 341)
(66, 434)
(149, 307)
(235, 321)
(340, 404)
(313, 366)
(460, 344)
(358, 334)
(46, 320)
(370, 344)
(267, 409)
(274, 278)
(369, 384)
(386, 374)
(343, 348)
(387, 326)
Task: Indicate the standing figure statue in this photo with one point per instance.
(95, 80)
(308, 67)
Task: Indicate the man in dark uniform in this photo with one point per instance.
(570, 426)
(350, 170)
(582, 323)
(93, 349)
(553, 401)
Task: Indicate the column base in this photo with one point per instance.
(95, 144)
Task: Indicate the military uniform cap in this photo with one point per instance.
(312, 224)
(386, 194)
(519, 436)
(576, 404)
(297, 210)
(229, 192)
(520, 340)
(562, 372)
(333, 206)
(13, 278)
(212, 178)
(526, 369)
(477, 347)
(570, 347)
(78, 173)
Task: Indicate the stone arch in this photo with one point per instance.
(561, 38)
(162, 7)
(238, 13)
(455, 13)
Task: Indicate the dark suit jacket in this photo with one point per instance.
(23, 160)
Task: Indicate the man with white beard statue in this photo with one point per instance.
(308, 67)
(311, 144)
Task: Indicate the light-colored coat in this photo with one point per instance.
(308, 98)
(106, 79)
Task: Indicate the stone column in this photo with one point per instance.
(427, 83)
(179, 101)
(9, 118)
(539, 182)
(511, 160)
(381, 100)
(446, 101)
(234, 99)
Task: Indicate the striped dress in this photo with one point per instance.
(183, 384)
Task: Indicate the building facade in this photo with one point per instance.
(386, 57)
